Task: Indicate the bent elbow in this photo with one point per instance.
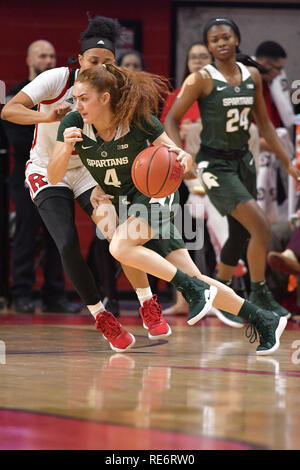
(4, 114)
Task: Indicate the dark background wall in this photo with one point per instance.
(62, 22)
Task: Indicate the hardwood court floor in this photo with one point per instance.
(62, 387)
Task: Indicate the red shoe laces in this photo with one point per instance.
(106, 322)
(152, 310)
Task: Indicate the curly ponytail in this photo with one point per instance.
(134, 96)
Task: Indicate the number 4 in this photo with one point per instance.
(111, 178)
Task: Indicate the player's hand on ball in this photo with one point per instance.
(184, 158)
(99, 197)
(72, 135)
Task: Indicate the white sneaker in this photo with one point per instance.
(228, 318)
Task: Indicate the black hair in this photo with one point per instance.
(123, 54)
(241, 57)
(270, 49)
(248, 61)
(103, 27)
(107, 29)
(218, 21)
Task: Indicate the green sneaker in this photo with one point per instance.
(269, 326)
(228, 318)
(200, 297)
(263, 298)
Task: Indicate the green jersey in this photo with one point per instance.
(110, 165)
(226, 111)
(110, 162)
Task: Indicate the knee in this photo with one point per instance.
(117, 250)
(233, 250)
(264, 232)
(235, 246)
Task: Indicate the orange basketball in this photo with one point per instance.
(156, 173)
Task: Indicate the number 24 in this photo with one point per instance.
(237, 119)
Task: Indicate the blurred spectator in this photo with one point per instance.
(278, 281)
(131, 60)
(287, 261)
(4, 219)
(40, 57)
(272, 181)
(197, 57)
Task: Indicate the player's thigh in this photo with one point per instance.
(132, 232)
(228, 183)
(105, 218)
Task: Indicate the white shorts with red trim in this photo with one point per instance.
(77, 179)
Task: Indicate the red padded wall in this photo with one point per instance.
(61, 22)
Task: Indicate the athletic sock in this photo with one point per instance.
(143, 293)
(95, 309)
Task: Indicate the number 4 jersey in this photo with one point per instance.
(110, 162)
(226, 111)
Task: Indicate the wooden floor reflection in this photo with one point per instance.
(204, 388)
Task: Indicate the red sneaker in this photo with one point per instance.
(119, 339)
(153, 320)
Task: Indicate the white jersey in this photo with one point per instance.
(47, 90)
(280, 92)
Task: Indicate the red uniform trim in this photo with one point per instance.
(62, 93)
(35, 131)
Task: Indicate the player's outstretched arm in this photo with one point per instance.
(18, 110)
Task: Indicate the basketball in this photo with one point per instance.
(156, 173)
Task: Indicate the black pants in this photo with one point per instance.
(56, 207)
(29, 230)
(104, 267)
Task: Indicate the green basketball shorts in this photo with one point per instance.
(228, 182)
(159, 215)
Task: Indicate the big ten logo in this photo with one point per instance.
(295, 355)
(295, 96)
(2, 92)
(2, 353)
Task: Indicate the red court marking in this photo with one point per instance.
(21, 430)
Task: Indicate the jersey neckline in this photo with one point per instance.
(217, 75)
